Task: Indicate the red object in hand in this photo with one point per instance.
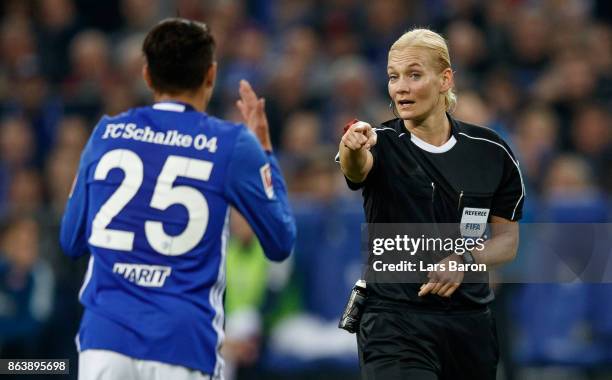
(348, 125)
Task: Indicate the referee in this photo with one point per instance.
(426, 167)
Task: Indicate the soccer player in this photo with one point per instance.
(151, 202)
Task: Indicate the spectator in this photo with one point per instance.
(26, 289)
(91, 73)
(58, 23)
(536, 138)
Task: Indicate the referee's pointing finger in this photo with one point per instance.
(362, 127)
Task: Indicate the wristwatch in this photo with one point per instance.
(468, 258)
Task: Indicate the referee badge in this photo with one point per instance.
(474, 222)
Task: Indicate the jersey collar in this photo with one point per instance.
(448, 145)
(173, 106)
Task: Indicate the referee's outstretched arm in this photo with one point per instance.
(356, 161)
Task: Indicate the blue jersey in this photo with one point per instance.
(150, 203)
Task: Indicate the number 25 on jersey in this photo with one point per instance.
(164, 196)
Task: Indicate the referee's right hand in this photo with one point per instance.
(359, 135)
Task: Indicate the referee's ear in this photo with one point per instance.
(447, 80)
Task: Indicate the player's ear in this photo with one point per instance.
(211, 76)
(146, 75)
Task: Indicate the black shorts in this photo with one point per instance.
(427, 345)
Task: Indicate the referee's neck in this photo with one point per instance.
(434, 130)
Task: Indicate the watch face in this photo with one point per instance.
(468, 258)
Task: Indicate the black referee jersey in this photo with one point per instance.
(412, 181)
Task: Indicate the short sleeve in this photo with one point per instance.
(510, 194)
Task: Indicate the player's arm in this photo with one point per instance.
(255, 183)
(73, 238)
(356, 160)
(255, 187)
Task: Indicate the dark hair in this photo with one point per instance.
(178, 52)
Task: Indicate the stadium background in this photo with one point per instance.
(537, 72)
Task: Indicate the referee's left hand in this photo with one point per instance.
(443, 282)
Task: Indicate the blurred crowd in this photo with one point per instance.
(537, 72)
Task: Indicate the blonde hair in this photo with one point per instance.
(434, 43)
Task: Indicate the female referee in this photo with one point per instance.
(426, 167)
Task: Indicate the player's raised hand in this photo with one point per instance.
(359, 135)
(253, 112)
